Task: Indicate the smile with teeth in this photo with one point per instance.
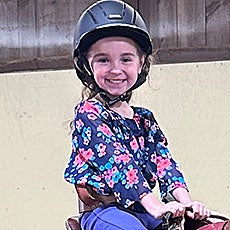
(115, 81)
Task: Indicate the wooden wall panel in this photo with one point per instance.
(55, 27)
(9, 31)
(38, 34)
(27, 36)
(188, 30)
(218, 22)
(167, 23)
(162, 21)
(191, 23)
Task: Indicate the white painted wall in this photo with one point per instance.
(191, 103)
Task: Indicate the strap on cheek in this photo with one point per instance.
(88, 70)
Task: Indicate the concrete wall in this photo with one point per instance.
(190, 101)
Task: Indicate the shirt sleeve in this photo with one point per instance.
(168, 172)
(100, 158)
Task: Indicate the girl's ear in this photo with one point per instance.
(142, 61)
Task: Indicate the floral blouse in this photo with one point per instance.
(120, 156)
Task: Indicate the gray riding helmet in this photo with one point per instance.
(107, 18)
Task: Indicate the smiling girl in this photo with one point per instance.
(119, 151)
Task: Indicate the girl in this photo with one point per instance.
(119, 151)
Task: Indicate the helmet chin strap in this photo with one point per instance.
(110, 102)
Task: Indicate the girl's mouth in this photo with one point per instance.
(115, 81)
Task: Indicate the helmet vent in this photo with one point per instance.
(92, 17)
(134, 17)
(114, 16)
(104, 12)
(124, 8)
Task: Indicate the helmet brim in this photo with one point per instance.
(138, 35)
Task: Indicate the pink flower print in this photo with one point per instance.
(162, 164)
(177, 184)
(79, 161)
(122, 158)
(105, 129)
(134, 145)
(108, 175)
(131, 176)
(118, 159)
(85, 154)
(88, 107)
(111, 184)
(142, 142)
(137, 119)
(125, 158)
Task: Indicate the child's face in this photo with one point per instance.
(116, 63)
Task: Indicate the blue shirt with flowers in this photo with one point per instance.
(120, 156)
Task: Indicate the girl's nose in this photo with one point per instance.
(115, 68)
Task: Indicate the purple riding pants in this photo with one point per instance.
(114, 217)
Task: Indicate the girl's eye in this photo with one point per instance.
(126, 59)
(103, 60)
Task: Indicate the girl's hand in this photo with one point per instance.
(199, 210)
(176, 208)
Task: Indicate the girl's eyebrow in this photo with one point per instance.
(128, 54)
(100, 54)
(105, 54)
(96, 55)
